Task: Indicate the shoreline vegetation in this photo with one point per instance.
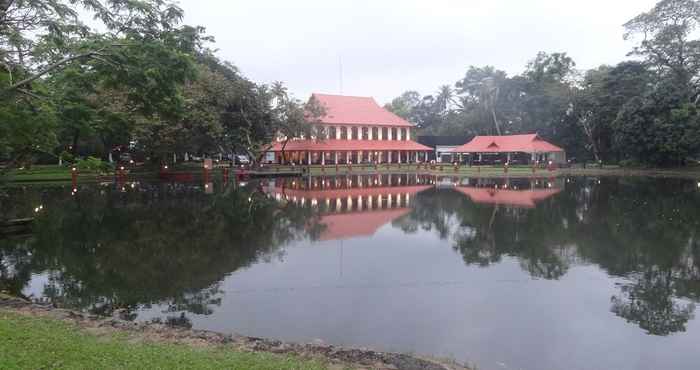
(56, 174)
(39, 336)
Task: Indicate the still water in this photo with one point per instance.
(567, 273)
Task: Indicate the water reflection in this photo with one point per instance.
(124, 247)
(342, 201)
(132, 245)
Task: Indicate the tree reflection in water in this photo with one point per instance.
(170, 244)
(642, 230)
(108, 248)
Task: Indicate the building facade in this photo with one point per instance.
(353, 130)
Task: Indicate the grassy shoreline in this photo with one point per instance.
(31, 342)
(36, 336)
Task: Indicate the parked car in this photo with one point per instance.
(241, 159)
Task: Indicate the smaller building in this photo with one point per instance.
(513, 149)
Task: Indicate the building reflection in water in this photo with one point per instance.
(342, 201)
(358, 205)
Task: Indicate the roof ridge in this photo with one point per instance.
(344, 96)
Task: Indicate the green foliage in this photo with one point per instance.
(92, 164)
(146, 80)
(27, 127)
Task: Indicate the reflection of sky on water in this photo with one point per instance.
(411, 293)
(504, 274)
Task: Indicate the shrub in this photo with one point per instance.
(92, 164)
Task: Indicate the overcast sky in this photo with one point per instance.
(390, 46)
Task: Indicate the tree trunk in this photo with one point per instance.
(76, 135)
(495, 121)
(286, 140)
(591, 139)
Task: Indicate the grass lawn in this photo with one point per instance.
(30, 342)
(43, 173)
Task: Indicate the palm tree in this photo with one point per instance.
(279, 92)
(445, 98)
(487, 90)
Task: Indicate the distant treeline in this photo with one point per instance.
(641, 111)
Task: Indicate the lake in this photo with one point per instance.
(560, 273)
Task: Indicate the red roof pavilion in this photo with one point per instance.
(530, 143)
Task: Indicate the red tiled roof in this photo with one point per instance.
(518, 198)
(530, 143)
(355, 224)
(356, 110)
(347, 145)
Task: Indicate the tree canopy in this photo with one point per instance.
(641, 111)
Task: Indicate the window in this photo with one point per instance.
(344, 133)
(331, 132)
(403, 134)
(385, 133)
(321, 133)
(375, 133)
(365, 133)
(354, 132)
(393, 134)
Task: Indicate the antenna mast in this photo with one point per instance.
(340, 73)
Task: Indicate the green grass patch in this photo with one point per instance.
(29, 342)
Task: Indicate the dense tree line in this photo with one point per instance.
(142, 80)
(643, 110)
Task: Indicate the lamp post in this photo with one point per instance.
(74, 177)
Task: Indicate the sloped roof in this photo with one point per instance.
(348, 145)
(517, 198)
(356, 110)
(530, 143)
(357, 224)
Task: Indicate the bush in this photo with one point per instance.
(629, 163)
(95, 165)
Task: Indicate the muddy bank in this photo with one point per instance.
(334, 356)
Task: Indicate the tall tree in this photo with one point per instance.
(667, 45)
(483, 86)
